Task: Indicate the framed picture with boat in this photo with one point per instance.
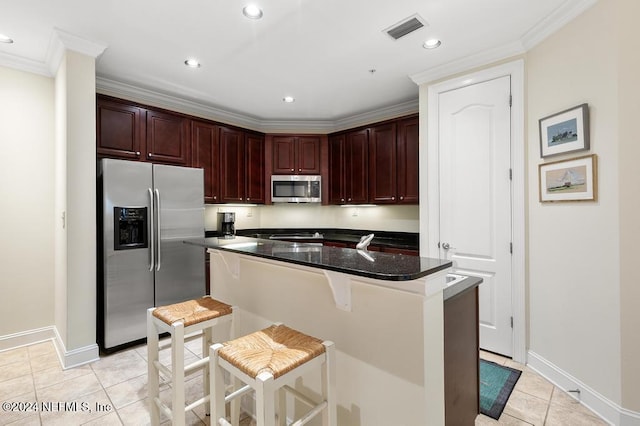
(565, 131)
(574, 179)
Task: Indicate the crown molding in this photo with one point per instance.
(568, 11)
(24, 64)
(465, 64)
(62, 41)
(151, 97)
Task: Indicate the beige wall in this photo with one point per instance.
(629, 177)
(583, 279)
(26, 201)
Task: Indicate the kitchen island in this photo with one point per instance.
(383, 311)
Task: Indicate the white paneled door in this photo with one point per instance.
(475, 198)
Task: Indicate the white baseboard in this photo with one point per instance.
(608, 410)
(25, 338)
(75, 357)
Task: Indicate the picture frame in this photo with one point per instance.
(566, 131)
(574, 179)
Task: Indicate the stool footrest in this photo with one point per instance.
(163, 407)
(196, 365)
(163, 369)
(237, 393)
(223, 422)
(197, 403)
(310, 415)
(300, 397)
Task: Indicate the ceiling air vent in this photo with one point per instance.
(405, 27)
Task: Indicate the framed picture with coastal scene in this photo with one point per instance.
(569, 180)
(566, 131)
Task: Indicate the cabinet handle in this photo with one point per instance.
(393, 198)
(291, 169)
(215, 197)
(342, 199)
(248, 199)
(137, 152)
(299, 170)
(150, 155)
(401, 198)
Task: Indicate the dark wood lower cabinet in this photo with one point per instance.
(461, 358)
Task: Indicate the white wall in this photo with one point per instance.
(378, 218)
(574, 248)
(26, 201)
(80, 125)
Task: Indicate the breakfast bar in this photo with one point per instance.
(383, 311)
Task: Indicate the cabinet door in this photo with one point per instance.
(382, 164)
(308, 155)
(120, 130)
(255, 188)
(284, 155)
(408, 162)
(205, 153)
(167, 138)
(232, 165)
(356, 167)
(336, 170)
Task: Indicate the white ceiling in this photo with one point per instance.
(318, 51)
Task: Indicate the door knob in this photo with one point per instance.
(445, 246)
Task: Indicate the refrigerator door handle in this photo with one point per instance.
(152, 239)
(158, 227)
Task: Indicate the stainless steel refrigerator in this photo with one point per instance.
(146, 212)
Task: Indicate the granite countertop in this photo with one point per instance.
(377, 265)
(401, 240)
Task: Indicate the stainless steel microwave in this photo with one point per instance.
(296, 189)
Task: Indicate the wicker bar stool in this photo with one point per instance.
(180, 319)
(267, 361)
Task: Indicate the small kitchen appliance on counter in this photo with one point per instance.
(226, 224)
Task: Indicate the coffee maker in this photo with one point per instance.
(226, 224)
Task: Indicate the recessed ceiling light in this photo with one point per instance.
(5, 39)
(432, 43)
(288, 99)
(192, 63)
(252, 11)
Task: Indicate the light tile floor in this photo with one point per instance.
(535, 401)
(112, 391)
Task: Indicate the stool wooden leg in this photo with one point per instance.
(265, 400)
(330, 415)
(177, 367)
(207, 341)
(216, 403)
(153, 375)
(281, 401)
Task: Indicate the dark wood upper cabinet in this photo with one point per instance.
(296, 155)
(205, 154)
(241, 167)
(120, 129)
(167, 138)
(254, 166)
(337, 183)
(232, 165)
(408, 161)
(382, 164)
(356, 167)
(348, 168)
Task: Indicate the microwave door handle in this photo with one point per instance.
(152, 237)
(158, 227)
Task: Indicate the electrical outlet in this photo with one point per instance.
(354, 213)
